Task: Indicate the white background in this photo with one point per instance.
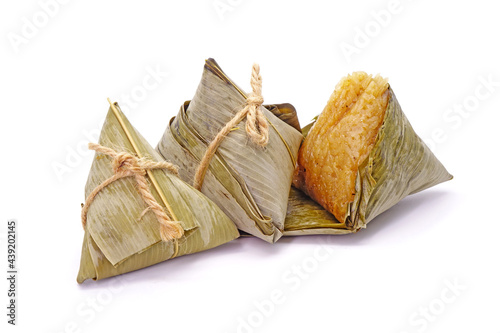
(54, 83)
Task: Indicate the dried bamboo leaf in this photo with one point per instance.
(306, 217)
(400, 164)
(286, 112)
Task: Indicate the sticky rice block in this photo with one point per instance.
(340, 140)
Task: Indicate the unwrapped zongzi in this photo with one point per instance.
(359, 158)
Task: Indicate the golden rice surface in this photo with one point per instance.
(340, 140)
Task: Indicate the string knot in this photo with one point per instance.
(257, 127)
(255, 101)
(124, 162)
(127, 165)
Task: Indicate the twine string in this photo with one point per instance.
(256, 127)
(127, 165)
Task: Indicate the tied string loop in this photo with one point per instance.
(127, 165)
(257, 127)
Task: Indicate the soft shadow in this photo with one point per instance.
(174, 270)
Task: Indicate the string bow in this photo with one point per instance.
(127, 165)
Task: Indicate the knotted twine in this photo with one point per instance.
(256, 127)
(127, 165)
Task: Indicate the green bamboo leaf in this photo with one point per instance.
(116, 241)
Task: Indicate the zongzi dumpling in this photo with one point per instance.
(360, 157)
(249, 179)
(138, 213)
